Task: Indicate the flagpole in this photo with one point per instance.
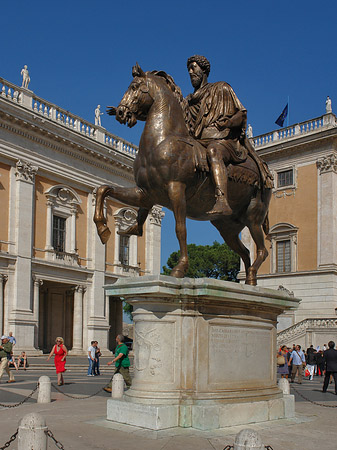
(288, 113)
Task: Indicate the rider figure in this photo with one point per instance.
(219, 122)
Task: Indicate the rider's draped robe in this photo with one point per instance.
(210, 106)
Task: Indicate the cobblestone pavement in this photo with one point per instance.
(81, 424)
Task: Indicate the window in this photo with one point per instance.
(285, 178)
(283, 250)
(283, 240)
(124, 250)
(59, 233)
(62, 207)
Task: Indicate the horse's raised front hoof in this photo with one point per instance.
(133, 230)
(177, 273)
(104, 234)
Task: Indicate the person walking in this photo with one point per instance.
(91, 358)
(298, 359)
(282, 367)
(5, 351)
(122, 362)
(95, 369)
(60, 351)
(330, 360)
(311, 361)
(320, 362)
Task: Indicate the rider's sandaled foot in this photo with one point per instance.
(221, 208)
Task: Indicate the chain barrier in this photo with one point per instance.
(312, 401)
(56, 442)
(82, 397)
(10, 440)
(231, 447)
(22, 401)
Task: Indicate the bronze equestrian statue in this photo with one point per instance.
(195, 159)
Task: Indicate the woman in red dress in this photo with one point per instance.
(60, 351)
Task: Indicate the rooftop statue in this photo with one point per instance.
(328, 107)
(25, 77)
(98, 115)
(195, 159)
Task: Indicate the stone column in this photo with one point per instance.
(36, 306)
(20, 317)
(49, 244)
(3, 279)
(73, 229)
(153, 240)
(78, 320)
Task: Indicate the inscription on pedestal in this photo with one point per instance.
(238, 354)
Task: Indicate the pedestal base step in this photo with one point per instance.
(202, 417)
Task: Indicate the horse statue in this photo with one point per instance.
(171, 170)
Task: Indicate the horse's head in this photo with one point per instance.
(137, 100)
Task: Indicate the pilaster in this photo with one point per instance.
(97, 323)
(327, 210)
(21, 320)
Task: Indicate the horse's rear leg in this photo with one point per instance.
(131, 196)
(176, 192)
(233, 241)
(261, 253)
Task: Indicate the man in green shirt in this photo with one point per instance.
(122, 362)
(5, 350)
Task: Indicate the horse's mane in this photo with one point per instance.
(178, 95)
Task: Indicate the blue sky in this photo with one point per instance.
(80, 53)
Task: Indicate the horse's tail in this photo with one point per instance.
(265, 225)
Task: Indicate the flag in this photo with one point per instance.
(280, 120)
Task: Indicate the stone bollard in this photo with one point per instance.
(117, 388)
(284, 385)
(32, 432)
(44, 395)
(248, 439)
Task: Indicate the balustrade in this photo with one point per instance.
(300, 328)
(299, 129)
(41, 107)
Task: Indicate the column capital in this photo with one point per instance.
(156, 215)
(37, 281)
(3, 278)
(25, 171)
(80, 288)
(327, 163)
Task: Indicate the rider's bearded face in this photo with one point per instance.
(196, 74)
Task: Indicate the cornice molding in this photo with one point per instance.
(110, 161)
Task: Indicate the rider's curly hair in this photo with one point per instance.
(201, 61)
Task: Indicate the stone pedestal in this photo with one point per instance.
(204, 353)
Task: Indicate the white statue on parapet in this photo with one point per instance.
(249, 131)
(25, 77)
(98, 115)
(328, 107)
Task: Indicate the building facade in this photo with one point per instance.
(302, 242)
(52, 264)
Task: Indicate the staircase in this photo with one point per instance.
(299, 330)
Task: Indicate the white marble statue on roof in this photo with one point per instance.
(328, 107)
(25, 77)
(249, 132)
(98, 115)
